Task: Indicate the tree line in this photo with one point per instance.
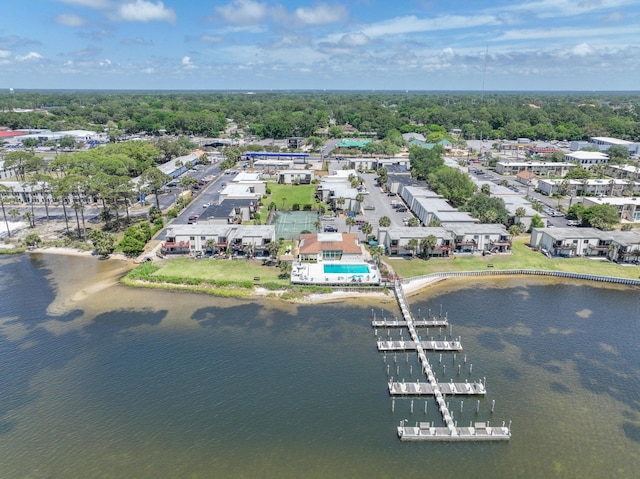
(381, 115)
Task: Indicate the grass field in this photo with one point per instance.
(522, 258)
(221, 270)
(285, 196)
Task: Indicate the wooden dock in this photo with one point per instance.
(424, 345)
(394, 323)
(427, 389)
(478, 431)
(425, 431)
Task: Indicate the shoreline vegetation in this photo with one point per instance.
(246, 279)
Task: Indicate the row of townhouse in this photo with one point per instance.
(628, 206)
(618, 246)
(449, 239)
(589, 187)
(373, 163)
(211, 238)
(539, 168)
(625, 172)
(39, 193)
(456, 231)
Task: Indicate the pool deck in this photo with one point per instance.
(313, 273)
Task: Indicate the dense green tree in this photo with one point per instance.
(618, 151)
(384, 222)
(537, 222)
(603, 217)
(453, 184)
(424, 161)
(134, 240)
(32, 240)
(104, 243)
(577, 173)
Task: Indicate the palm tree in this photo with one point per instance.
(317, 225)
(274, 247)
(28, 216)
(412, 246)
(485, 189)
(350, 222)
(340, 202)
(384, 222)
(427, 244)
(4, 189)
(413, 222)
(367, 229)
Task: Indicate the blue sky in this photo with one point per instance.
(361, 44)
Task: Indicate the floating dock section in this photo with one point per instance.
(425, 431)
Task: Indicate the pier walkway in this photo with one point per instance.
(424, 345)
(425, 431)
(426, 389)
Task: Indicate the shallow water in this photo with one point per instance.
(111, 381)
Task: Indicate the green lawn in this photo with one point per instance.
(285, 196)
(221, 270)
(522, 258)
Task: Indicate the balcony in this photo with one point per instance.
(565, 247)
(175, 247)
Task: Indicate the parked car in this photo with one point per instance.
(192, 219)
(369, 207)
(573, 223)
(330, 229)
(402, 209)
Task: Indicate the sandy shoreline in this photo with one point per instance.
(76, 252)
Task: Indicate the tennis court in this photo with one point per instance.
(289, 224)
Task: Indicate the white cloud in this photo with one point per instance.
(321, 14)
(104, 63)
(187, 64)
(70, 20)
(29, 57)
(5, 53)
(97, 4)
(582, 50)
(565, 8)
(355, 40)
(242, 12)
(144, 11)
(569, 32)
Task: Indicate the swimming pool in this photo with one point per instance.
(346, 268)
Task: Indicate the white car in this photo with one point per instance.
(206, 205)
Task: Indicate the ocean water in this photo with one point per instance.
(99, 380)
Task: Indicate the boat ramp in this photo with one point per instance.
(426, 431)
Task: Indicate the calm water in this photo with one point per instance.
(104, 381)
